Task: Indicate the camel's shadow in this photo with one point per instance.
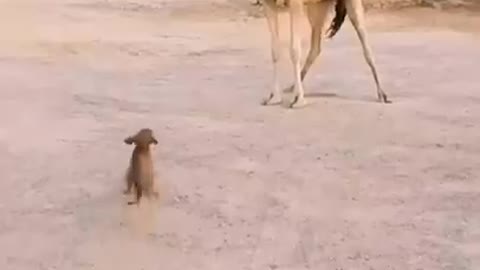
(322, 95)
(330, 95)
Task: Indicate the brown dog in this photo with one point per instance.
(140, 172)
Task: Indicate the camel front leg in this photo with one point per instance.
(296, 13)
(271, 13)
(357, 17)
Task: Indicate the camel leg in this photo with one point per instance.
(356, 14)
(317, 15)
(296, 13)
(271, 13)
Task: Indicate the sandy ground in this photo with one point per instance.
(344, 183)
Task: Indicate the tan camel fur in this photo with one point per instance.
(317, 12)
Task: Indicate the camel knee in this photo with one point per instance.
(295, 53)
(314, 53)
(275, 54)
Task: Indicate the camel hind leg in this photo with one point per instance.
(357, 17)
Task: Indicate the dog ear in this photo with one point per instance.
(128, 140)
(153, 140)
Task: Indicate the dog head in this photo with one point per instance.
(143, 138)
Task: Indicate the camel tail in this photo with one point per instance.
(340, 14)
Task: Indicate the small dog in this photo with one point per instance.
(140, 172)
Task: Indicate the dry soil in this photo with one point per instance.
(344, 183)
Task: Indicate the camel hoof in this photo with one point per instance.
(382, 97)
(272, 99)
(298, 102)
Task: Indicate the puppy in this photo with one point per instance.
(140, 172)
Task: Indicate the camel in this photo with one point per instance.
(317, 12)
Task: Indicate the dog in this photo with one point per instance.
(140, 174)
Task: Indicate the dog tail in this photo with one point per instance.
(340, 14)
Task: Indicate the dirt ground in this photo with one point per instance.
(344, 183)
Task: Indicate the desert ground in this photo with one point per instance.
(343, 183)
